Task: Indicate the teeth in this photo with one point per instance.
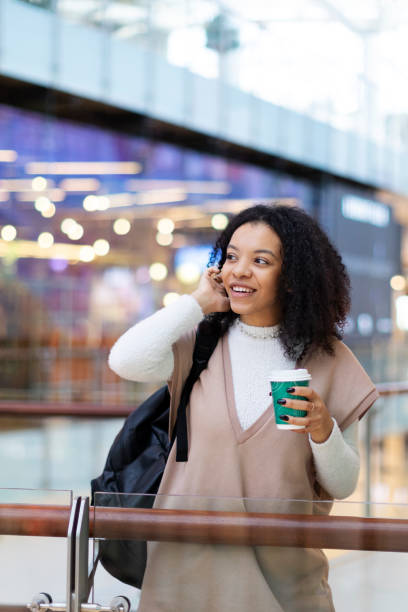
(242, 289)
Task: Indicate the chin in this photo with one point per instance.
(241, 309)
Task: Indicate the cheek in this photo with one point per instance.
(223, 273)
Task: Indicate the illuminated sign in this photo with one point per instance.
(365, 211)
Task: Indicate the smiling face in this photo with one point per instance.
(251, 274)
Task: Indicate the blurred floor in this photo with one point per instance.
(360, 581)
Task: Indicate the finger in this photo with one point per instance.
(296, 404)
(303, 391)
(215, 276)
(302, 421)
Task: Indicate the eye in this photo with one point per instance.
(261, 260)
(230, 256)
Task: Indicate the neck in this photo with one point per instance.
(260, 321)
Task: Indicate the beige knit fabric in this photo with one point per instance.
(226, 466)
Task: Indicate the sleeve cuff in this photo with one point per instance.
(331, 440)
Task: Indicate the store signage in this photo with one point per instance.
(365, 211)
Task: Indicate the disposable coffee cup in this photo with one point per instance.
(280, 381)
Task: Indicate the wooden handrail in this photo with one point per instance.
(392, 388)
(112, 411)
(244, 529)
(69, 409)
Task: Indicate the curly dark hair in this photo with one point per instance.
(314, 287)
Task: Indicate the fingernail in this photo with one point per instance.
(290, 389)
(284, 417)
(281, 401)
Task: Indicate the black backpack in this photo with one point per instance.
(137, 458)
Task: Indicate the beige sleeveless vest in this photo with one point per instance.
(260, 469)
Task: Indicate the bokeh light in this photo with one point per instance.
(8, 233)
(45, 240)
(158, 271)
(165, 226)
(398, 282)
(188, 273)
(121, 226)
(170, 297)
(75, 232)
(86, 253)
(219, 221)
(39, 183)
(101, 247)
(67, 224)
(164, 239)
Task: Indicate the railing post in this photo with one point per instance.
(367, 438)
(71, 542)
(81, 591)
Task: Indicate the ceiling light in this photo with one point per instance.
(159, 196)
(80, 184)
(7, 155)
(91, 167)
(20, 184)
(57, 195)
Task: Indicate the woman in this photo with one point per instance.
(280, 295)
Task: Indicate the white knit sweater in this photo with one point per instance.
(144, 353)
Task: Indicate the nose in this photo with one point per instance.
(242, 269)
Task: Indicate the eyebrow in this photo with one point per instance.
(231, 246)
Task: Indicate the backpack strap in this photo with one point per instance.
(206, 340)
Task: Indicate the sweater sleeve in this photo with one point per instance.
(337, 461)
(144, 352)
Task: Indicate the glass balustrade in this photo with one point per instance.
(364, 580)
(211, 546)
(67, 452)
(31, 564)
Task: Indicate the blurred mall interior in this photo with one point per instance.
(130, 131)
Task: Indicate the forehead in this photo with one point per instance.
(255, 236)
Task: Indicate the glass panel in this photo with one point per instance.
(235, 577)
(57, 452)
(15, 495)
(32, 564)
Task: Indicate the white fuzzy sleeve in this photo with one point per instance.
(144, 353)
(337, 461)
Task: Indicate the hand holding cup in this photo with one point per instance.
(317, 422)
